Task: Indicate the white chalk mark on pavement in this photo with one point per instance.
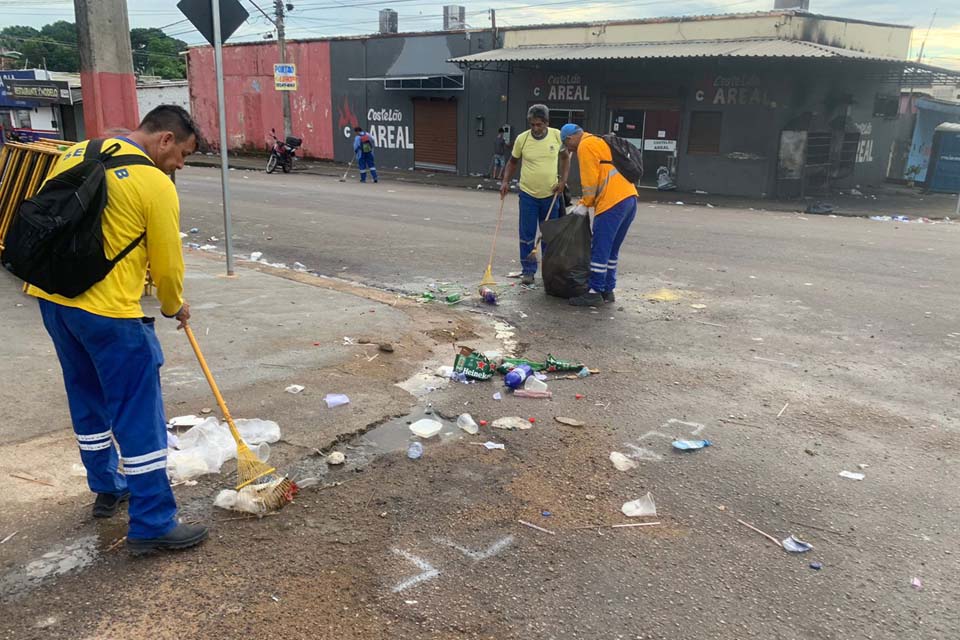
(429, 573)
(491, 551)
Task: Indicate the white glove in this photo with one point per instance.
(580, 210)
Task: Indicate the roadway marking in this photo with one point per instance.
(477, 555)
(428, 571)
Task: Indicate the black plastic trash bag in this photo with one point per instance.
(566, 259)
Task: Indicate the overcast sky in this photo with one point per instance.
(312, 18)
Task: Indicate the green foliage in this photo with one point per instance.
(156, 54)
(55, 46)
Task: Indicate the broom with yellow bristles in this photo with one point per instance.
(275, 494)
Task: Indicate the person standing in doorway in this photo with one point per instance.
(541, 186)
(108, 349)
(363, 148)
(614, 200)
(499, 154)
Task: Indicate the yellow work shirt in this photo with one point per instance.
(539, 172)
(139, 198)
(603, 186)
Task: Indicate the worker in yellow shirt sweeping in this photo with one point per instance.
(615, 200)
(108, 349)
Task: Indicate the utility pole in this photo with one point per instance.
(222, 113)
(493, 26)
(282, 45)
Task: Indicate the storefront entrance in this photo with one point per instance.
(655, 132)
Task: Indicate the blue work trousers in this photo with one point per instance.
(365, 161)
(609, 231)
(111, 370)
(533, 211)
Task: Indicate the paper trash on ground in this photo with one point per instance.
(512, 424)
(622, 462)
(795, 545)
(852, 475)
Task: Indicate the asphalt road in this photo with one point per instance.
(801, 346)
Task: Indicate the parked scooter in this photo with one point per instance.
(282, 153)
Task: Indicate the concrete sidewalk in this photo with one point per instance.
(260, 331)
(883, 200)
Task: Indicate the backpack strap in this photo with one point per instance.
(130, 247)
(127, 160)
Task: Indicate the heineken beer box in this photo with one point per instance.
(473, 364)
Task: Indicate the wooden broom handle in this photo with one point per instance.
(210, 380)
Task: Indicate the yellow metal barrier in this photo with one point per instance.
(23, 168)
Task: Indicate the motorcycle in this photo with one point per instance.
(282, 153)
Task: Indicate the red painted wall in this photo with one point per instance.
(254, 106)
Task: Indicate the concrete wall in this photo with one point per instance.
(389, 114)
(873, 38)
(151, 96)
(253, 106)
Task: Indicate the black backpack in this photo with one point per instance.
(626, 158)
(56, 239)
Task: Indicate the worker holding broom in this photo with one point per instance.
(541, 186)
(108, 349)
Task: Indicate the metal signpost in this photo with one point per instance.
(206, 17)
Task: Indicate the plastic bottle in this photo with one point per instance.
(489, 295)
(516, 376)
(415, 450)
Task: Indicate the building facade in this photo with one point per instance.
(775, 104)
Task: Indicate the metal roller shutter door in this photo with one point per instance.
(435, 134)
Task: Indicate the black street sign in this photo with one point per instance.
(45, 91)
(200, 13)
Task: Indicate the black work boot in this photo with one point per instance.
(527, 279)
(107, 504)
(608, 297)
(183, 536)
(587, 300)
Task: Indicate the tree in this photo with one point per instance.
(56, 48)
(157, 54)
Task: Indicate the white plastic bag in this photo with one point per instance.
(641, 507)
(254, 431)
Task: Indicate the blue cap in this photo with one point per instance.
(568, 130)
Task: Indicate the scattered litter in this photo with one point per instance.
(698, 306)
(533, 383)
(524, 393)
(295, 388)
(518, 375)
(483, 423)
(256, 255)
(570, 422)
(173, 442)
(784, 409)
(415, 450)
(644, 506)
(515, 274)
(205, 447)
(20, 475)
(634, 524)
(622, 462)
(250, 499)
(490, 446)
(468, 424)
(194, 231)
(590, 497)
(820, 208)
(852, 475)
(185, 421)
(690, 445)
(863, 466)
(336, 400)
(511, 424)
(795, 545)
(902, 218)
(881, 218)
(444, 372)
(678, 202)
(583, 373)
(498, 396)
(426, 428)
(385, 347)
(272, 597)
(9, 537)
(816, 566)
(336, 458)
(532, 420)
(579, 396)
(473, 364)
(533, 526)
(765, 535)
(79, 471)
(916, 583)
